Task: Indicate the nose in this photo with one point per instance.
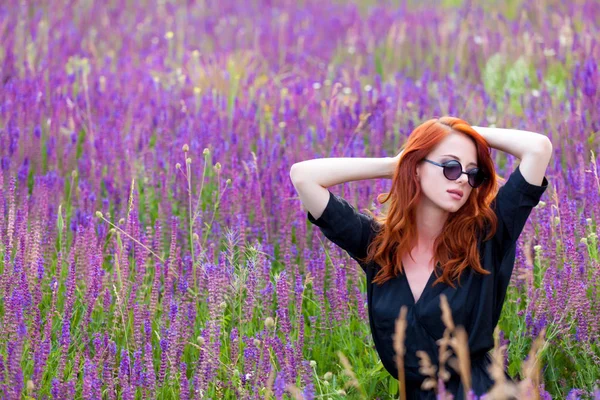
(462, 179)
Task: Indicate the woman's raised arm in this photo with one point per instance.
(311, 178)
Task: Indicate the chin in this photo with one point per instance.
(454, 208)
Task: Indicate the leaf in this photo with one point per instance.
(60, 223)
(492, 74)
(378, 63)
(515, 77)
(393, 386)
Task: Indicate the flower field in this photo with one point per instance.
(152, 244)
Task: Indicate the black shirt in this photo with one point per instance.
(476, 304)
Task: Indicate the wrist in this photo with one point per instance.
(392, 164)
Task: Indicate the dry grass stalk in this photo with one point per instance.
(502, 389)
(426, 368)
(348, 371)
(496, 368)
(460, 345)
(446, 313)
(400, 330)
(294, 391)
(444, 355)
(270, 380)
(530, 369)
(445, 341)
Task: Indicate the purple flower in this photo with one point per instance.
(283, 301)
(279, 386)
(164, 346)
(184, 391)
(91, 385)
(56, 389)
(309, 391)
(149, 374)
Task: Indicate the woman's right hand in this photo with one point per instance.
(394, 164)
(397, 157)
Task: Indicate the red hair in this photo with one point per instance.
(456, 248)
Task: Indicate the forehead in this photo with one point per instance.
(459, 145)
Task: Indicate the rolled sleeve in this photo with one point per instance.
(514, 202)
(345, 226)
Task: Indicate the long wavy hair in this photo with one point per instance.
(456, 248)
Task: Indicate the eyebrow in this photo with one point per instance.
(453, 156)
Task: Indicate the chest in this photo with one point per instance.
(473, 302)
(418, 271)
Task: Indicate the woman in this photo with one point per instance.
(445, 211)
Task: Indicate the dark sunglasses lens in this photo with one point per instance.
(452, 170)
(476, 177)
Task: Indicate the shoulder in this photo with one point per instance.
(517, 183)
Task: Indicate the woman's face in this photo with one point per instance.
(434, 185)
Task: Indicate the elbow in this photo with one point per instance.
(545, 147)
(294, 173)
(540, 148)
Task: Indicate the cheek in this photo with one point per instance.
(434, 189)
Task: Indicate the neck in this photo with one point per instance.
(430, 221)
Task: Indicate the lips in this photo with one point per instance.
(457, 192)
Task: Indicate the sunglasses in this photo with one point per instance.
(453, 170)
